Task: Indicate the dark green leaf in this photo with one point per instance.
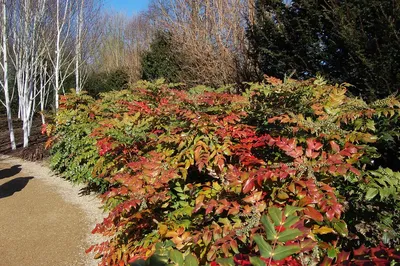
(176, 256)
(276, 215)
(269, 227)
(263, 246)
(140, 262)
(289, 234)
(282, 252)
(289, 210)
(255, 261)
(291, 220)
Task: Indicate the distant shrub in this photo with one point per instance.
(106, 81)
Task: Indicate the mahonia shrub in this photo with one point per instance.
(73, 152)
(206, 177)
(310, 109)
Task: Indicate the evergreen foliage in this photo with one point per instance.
(106, 81)
(277, 176)
(355, 41)
(160, 61)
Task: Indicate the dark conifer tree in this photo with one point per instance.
(354, 41)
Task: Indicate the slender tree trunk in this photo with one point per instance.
(58, 56)
(42, 91)
(5, 77)
(57, 68)
(79, 48)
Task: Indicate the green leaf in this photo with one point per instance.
(371, 193)
(332, 253)
(178, 189)
(269, 227)
(191, 260)
(157, 260)
(263, 246)
(291, 220)
(276, 215)
(225, 261)
(140, 262)
(282, 252)
(341, 228)
(289, 234)
(289, 210)
(256, 261)
(176, 257)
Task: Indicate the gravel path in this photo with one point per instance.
(44, 220)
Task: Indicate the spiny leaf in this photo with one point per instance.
(269, 228)
(291, 220)
(263, 246)
(289, 234)
(255, 261)
(276, 215)
(282, 252)
(289, 210)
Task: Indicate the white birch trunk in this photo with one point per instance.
(57, 65)
(63, 23)
(28, 51)
(78, 56)
(5, 77)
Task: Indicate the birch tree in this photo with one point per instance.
(78, 55)
(62, 61)
(4, 66)
(45, 79)
(88, 32)
(27, 32)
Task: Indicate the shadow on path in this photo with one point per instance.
(9, 172)
(9, 188)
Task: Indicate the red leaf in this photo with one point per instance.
(313, 214)
(307, 245)
(309, 153)
(248, 186)
(305, 201)
(334, 146)
(330, 214)
(221, 163)
(343, 257)
(243, 260)
(234, 209)
(355, 171)
(210, 206)
(361, 251)
(326, 262)
(318, 146)
(341, 170)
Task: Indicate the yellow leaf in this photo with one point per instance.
(162, 229)
(283, 195)
(322, 230)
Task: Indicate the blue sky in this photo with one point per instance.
(128, 7)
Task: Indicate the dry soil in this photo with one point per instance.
(44, 221)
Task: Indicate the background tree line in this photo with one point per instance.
(50, 46)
